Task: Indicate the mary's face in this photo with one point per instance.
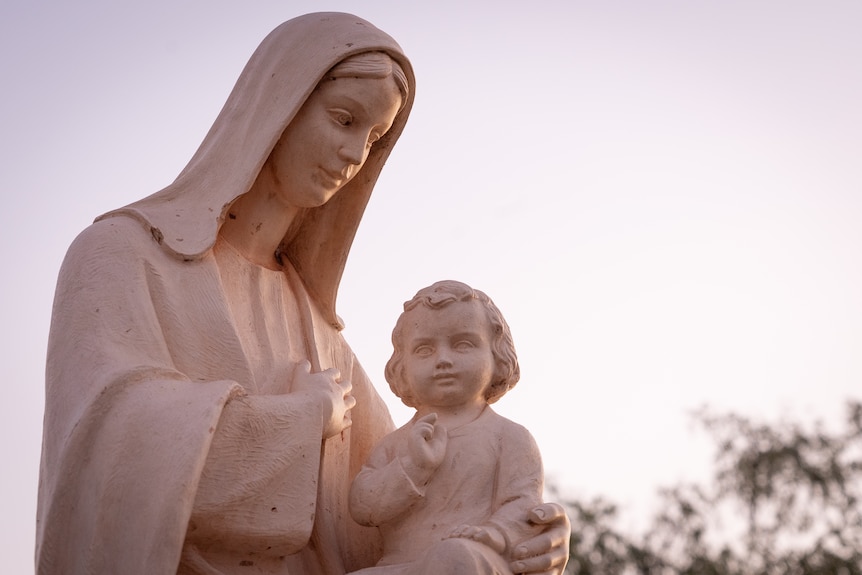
(329, 139)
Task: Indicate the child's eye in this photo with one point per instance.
(423, 351)
(464, 345)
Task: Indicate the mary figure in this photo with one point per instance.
(203, 412)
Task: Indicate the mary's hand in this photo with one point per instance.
(329, 393)
(548, 552)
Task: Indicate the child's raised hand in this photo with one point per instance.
(490, 537)
(426, 448)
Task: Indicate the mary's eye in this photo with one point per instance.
(342, 118)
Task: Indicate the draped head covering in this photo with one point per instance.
(185, 216)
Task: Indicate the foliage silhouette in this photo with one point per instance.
(784, 499)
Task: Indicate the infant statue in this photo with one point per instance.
(451, 491)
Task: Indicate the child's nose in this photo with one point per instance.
(443, 358)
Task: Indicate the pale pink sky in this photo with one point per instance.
(664, 199)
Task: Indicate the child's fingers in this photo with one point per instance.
(430, 419)
(424, 430)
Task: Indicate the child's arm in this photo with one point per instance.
(486, 534)
(518, 489)
(388, 485)
(520, 482)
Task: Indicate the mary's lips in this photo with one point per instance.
(334, 177)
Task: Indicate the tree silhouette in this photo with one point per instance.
(784, 499)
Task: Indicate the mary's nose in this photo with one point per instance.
(353, 151)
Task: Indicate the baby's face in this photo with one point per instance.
(448, 359)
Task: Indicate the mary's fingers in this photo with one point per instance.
(552, 540)
(552, 562)
(547, 513)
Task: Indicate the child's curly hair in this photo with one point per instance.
(439, 295)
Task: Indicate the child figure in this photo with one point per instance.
(451, 490)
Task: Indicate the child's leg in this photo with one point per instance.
(460, 556)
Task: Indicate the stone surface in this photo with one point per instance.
(203, 412)
(457, 470)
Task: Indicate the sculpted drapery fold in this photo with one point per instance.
(414, 518)
(150, 393)
(138, 422)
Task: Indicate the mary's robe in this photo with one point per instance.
(171, 439)
(156, 357)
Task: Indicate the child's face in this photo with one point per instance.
(448, 359)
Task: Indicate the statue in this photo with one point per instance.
(452, 489)
(203, 412)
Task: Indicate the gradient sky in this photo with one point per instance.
(664, 199)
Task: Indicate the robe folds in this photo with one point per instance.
(491, 477)
(172, 440)
(144, 356)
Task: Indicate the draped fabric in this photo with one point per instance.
(185, 216)
(157, 333)
(491, 476)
